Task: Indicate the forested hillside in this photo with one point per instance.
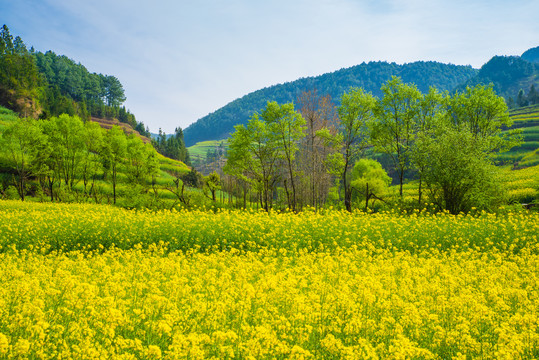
(369, 76)
(513, 77)
(43, 85)
(531, 55)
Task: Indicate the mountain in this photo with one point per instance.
(531, 55)
(508, 74)
(370, 76)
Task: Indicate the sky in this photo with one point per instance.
(180, 60)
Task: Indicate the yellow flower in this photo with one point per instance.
(154, 352)
(4, 344)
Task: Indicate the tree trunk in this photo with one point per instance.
(347, 195)
(114, 185)
(287, 195)
(401, 179)
(367, 198)
(420, 190)
(21, 185)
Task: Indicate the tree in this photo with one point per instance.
(253, 156)
(115, 153)
(318, 112)
(66, 135)
(91, 164)
(483, 113)
(287, 126)
(20, 82)
(393, 132)
(459, 174)
(533, 96)
(432, 110)
(369, 180)
(172, 146)
(355, 113)
(457, 161)
(141, 160)
(212, 183)
(521, 99)
(21, 139)
(113, 91)
(44, 163)
(6, 41)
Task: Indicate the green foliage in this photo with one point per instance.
(114, 152)
(212, 183)
(448, 142)
(253, 157)
(172, 146)
(355, 113)
(21, 140)
(455, 157)
(66, 136)
(369, 181)
(141, 160)
(72, 89)
(20, 81)
(458, 173)
(65, 146)
(396, 122)
(288, 127)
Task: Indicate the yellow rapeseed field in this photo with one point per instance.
(97, 282)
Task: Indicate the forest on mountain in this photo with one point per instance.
(531, 55)
(513, 77)
(369, 76)
(43, 85)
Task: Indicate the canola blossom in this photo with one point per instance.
(66, 227)
(241, 285)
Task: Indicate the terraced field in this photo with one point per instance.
(527, 154)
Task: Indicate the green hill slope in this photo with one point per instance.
(370, 76)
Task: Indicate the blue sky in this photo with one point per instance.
(180, 60)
